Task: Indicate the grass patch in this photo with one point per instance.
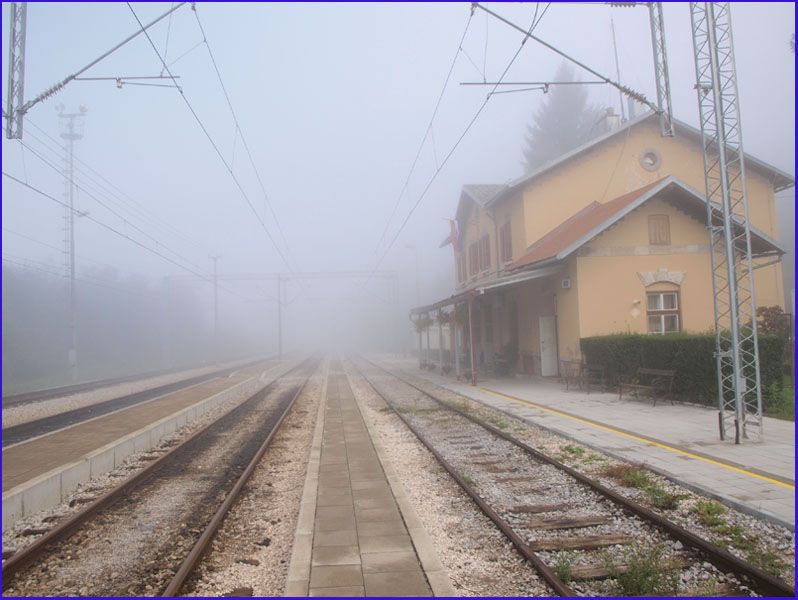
(737, 536)
(662, 498)
(709, 512)
(562, 567)
(636, 476)
(574, 451)
(498, 421)
(648, 573)
(628, 475)
(768, 560)
(467, 478)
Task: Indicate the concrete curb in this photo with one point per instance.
(298, 579)
(49, 489)
(437, 575)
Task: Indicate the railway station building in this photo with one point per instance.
(610, 237)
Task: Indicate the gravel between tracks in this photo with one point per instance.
(252, 550)
(479, 559)
(768, 545)
(24, 413)
(121, 530)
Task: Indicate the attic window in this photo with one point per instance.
(650, 160)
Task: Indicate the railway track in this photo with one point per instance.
(31, 429)
(579, 535)
(77, 388)
(145, 536)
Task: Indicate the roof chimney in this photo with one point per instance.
(611, 121)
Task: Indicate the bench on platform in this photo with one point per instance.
(657, 383)
(581, 375)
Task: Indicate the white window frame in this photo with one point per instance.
(662, 313)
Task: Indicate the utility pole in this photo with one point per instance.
(71, 130)
(215, 308)
(279, 316)
(16, 68)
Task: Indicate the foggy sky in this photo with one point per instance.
(333, 100)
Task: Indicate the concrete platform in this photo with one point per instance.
(679, 441)
(39, 473)
(357, 534)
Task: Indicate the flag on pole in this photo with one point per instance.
(454, 235)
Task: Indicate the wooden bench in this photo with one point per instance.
(581, 375)
(657, 383)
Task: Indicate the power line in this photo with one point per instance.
(426, 131)
(108, 227)
(459, 140)
(119, 193)
(61, 250)
(210, 139)
(26, 263)
(243, 138)
(108, 208)
(104, 225)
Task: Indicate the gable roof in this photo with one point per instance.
(781, 180)
(483, 193)
(595, 218)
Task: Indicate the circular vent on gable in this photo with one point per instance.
(650, 160)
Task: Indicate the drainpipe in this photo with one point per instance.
(455, 344)
(440, 342)
(471, 340)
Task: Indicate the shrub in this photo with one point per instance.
(691, 355)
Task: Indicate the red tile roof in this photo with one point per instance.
(577, 226)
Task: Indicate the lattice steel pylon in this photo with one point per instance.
(661, 77)
(18, 16)
(736, 348)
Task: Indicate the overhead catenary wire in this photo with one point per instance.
(426, 131)
(623, 88)
(213, 143)
(240, 133)
(473, 120)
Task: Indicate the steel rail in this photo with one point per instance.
(188, 564)
(545, 571)
(86, 386)
(66, 528)
(766, 583)
(23, 432)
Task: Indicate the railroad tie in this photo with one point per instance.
(567, 522)
(588, 542)
(588, 573)
(533, 509)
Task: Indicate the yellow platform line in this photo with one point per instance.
(640, 438)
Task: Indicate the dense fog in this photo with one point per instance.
(326, 181)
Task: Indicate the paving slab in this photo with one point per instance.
(679, 441)
(360, 543)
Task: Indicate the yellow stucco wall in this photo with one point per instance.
(613, 168)
(611, 295)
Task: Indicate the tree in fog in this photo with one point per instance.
(564, 121)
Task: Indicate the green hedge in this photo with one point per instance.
(691, 355)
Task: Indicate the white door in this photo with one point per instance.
(548, 346)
